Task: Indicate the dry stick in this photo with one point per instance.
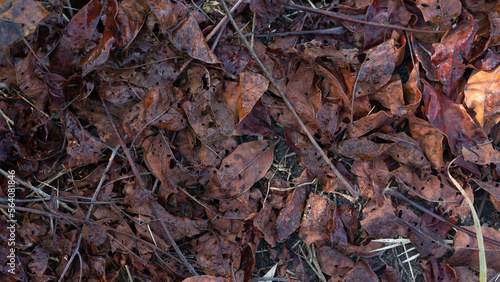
(330, 31)
(351, 19)
(394, 193)
(290, 107)
(75, 219)
(143, 186)
(76, 251)
(36, 190)
(46, 213)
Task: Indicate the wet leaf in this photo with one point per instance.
(449, 55)
(384, 11)
(19, 19)
(440, 13)
(81, 36)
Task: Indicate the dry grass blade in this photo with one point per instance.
(342, 179)
(477, 226)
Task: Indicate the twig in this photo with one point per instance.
(76, 251)
(45, 213)
(34, 54)
(351, 19)
(394, 193)
(287, 102)
(36, 190)
(143, 186)
(330, 31)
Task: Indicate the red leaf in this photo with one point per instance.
(241, 169)
(464, 136)
(448, 58)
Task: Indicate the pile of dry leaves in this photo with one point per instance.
(149, 144)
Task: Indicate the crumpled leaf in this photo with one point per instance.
(216, 255)
(290, 216)
(241, 169)
(384, 11)
(429, 139)
(39, 260)
(159, 108)
(378, 67)
(464, 136)
(482, 93)
(252, 86)
(82, 148)
(266, 11)
(440, 13)
(177, 22)
(316, 221)
(448, 58)
(333, 262)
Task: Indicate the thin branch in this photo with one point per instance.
(342, 179)
(76, 251)
(330, 31)
(351, 19)
(143, 186)
(394, 193)
(36, 190)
